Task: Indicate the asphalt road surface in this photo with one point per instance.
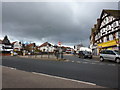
(100, 73)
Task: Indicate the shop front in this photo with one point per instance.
(110, 45)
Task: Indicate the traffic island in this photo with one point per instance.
(45, 57)
(96, 58)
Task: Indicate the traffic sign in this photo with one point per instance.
(59, 43)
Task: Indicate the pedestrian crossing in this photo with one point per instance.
(86, 61)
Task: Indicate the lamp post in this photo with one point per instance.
(48, 50)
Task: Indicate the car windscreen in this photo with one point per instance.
(86, 52)
(118, 52)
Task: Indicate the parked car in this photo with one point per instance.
(113, 55)
(15, 54)
(85, 54)
(68, 51)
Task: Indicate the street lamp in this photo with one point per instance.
(48, 50)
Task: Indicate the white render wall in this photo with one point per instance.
(47, 49)
(85, 49)
(17, 45)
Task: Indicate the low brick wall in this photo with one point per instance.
(6, 54)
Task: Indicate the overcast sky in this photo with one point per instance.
(39, 22)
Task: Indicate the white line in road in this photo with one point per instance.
(102, 64)
(85, 62)
(64, 78)
(78, 62)
(93, 63)
(13, 68)
(111, 64)
(96, 61)
(73, 61)
(67, 60)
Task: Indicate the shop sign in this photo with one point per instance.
(107, 44)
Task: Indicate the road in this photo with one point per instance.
(100, 73)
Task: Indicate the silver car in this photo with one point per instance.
(113, 55)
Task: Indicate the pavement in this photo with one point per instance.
(14, 78)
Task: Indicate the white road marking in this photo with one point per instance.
(78, 62)
(67, 60)
(93, 63)
(96, 61)
(85, 62)
(73, 61)
(101, 64)
(91, 60)
(64, 78)
(13, 68)
(9, 67)
(111, 64)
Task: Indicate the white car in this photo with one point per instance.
(15, 54)
(113, 55)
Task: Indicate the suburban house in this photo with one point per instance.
(6, 46)
(30, 47)
(46, 47)
(17, 46)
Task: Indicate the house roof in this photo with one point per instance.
(45, 44)
(32, 44)
(65, 47)
(6, 41)
(115, 13)
(14, 42)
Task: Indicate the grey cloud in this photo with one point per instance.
(53, 22)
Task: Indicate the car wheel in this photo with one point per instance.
(83, 57)
(117, 60)
(90, 57)
(101, 59)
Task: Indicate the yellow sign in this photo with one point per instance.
(107, 44)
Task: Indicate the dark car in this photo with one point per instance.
(85, 54)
